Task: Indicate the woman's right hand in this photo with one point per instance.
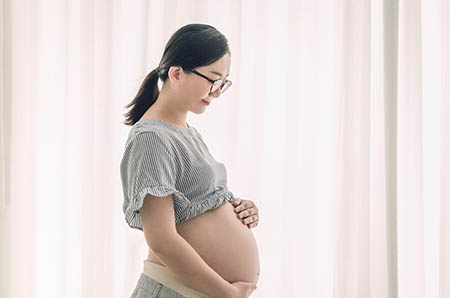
(242, 289)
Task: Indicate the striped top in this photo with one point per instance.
(160, 159)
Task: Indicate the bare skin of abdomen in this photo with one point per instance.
(224, 243)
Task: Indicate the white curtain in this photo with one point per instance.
(337, 126)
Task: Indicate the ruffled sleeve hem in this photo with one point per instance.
(132, 216)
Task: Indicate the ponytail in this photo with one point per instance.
(191, 46)
(145, 98)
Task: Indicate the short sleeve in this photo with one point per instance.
(148, 167)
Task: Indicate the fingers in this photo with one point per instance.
(248, 216)
(246, 213)
(242, 206)
(253, 224)
(237, 201)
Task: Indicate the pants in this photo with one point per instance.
(158, 282)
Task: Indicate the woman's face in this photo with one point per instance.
(196, 88)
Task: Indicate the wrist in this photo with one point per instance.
(228, 291)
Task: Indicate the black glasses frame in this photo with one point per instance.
(214, 81)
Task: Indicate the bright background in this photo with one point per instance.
(337, 126)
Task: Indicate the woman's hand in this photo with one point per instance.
(242, 289)
(247, 212)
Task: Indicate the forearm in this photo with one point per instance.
(182, 259)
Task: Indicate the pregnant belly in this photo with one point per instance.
(224, 243)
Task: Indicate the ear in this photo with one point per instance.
(176, 75)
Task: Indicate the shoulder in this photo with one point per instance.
(140, 141)
(149, 132)
(155, 141)
(197, 133)
(151, 128)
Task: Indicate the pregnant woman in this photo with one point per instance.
(199, 235)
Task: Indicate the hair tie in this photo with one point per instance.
(158, 69)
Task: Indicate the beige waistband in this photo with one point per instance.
(162, 275)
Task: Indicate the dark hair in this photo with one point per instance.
(191, 46)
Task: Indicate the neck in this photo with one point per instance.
(166, 108)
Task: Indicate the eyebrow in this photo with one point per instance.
(217, 73)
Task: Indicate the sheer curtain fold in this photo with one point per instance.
(444, 137)
(336, 126)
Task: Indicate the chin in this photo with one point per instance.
(198, 111)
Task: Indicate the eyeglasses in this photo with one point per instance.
(218, 84)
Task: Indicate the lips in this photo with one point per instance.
(206, 102)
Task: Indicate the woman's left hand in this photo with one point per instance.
(247, 212)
